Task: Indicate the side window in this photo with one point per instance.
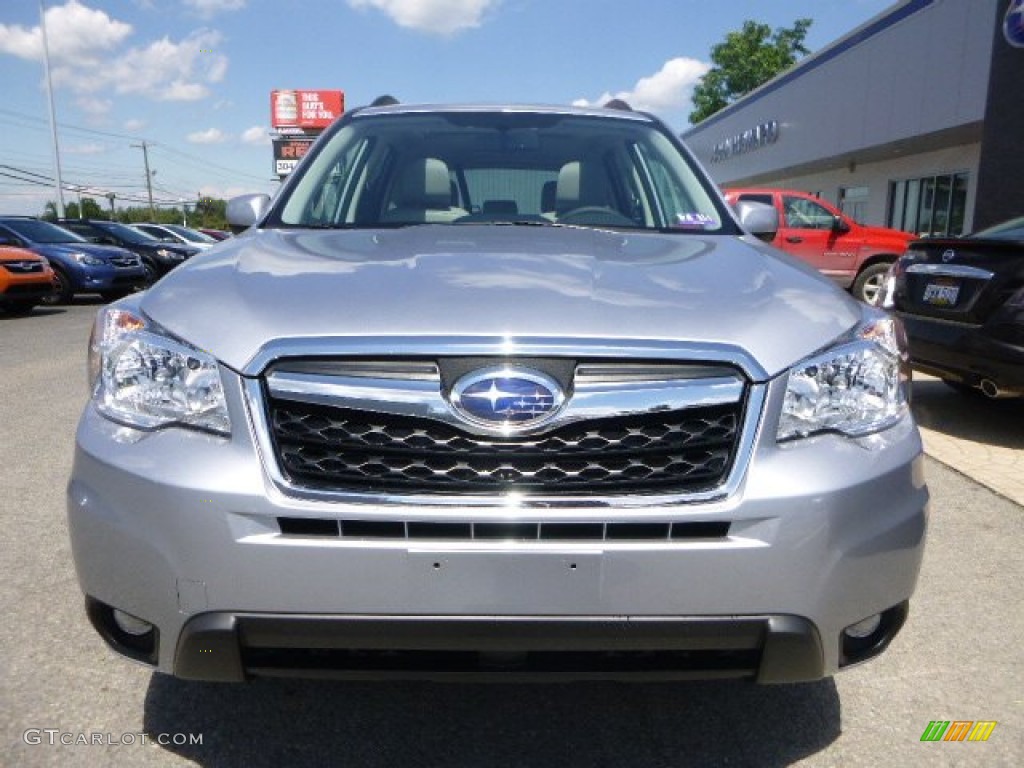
(806, 214)
(339, 196)
(668, 192)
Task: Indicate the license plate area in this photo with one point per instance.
(941, 292)
(506, 582)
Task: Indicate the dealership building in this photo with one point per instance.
(915, 120)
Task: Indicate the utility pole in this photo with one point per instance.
(53, 114)
(110, 197)
(149, 177)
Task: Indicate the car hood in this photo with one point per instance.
(67, 249)
(895, 236)
(731, 296)
(12, 253)
(173, 247)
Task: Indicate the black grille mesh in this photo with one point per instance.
(339, 449)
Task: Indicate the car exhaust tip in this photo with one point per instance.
(993, 391)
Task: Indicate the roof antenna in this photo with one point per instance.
(618, 104)
(384, 101)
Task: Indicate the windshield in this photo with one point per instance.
(1007, 230)
(466, 167)
(126, 233)
(36, 231)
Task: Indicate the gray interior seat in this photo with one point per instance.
(423, 194)
(579, 185)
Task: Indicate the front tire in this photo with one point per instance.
(62, 290)
(869, 283)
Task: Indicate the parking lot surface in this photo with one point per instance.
(959, 657)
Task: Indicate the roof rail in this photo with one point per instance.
(618, 104)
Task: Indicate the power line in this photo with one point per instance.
(201, 163)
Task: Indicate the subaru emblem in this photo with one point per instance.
(506, 399)
(948, 256)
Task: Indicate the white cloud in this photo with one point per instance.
(167, 70)
(134, 125)
(90, 148)
(209, 136)
(89, 54)
(439, 17)
(94, 106)
(73, 33)
(256, 136)
(668, 89)
(207, 8)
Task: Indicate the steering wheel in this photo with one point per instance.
(595, 215)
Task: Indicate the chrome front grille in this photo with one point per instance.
(338, 448)
(22, 267)
(377, 430)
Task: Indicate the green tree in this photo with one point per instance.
(746, 59)
(92, 209)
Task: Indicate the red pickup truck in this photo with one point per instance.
(855, 256)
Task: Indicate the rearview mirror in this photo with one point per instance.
(245, 210)
(839, 225)
(759, 219)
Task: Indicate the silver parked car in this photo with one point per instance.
(497, 391)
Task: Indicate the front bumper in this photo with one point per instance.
(103, 279)
(17, 288)
(182, 530)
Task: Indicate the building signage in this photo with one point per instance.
(753, 138)
(305, 109)
(1013, 24)
(288, 151)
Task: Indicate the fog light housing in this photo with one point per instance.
(868, 637)
(864, 628)
(131, 625)
(127, 634)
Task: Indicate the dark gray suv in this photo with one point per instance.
(501, 391)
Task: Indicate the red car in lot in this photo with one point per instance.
(855, 256)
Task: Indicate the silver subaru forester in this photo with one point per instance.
(504, 392)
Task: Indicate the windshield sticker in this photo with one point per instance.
(694, 221)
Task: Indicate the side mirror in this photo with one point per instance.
(839, 225)
(759, 219)
(246, 210)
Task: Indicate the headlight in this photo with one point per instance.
(143, 378)
(855, 388)
(85, 258)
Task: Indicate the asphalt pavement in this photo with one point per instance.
(958, 658)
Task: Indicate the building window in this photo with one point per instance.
(933, 206)
(853, 202)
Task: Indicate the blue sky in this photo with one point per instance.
(192, 78)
